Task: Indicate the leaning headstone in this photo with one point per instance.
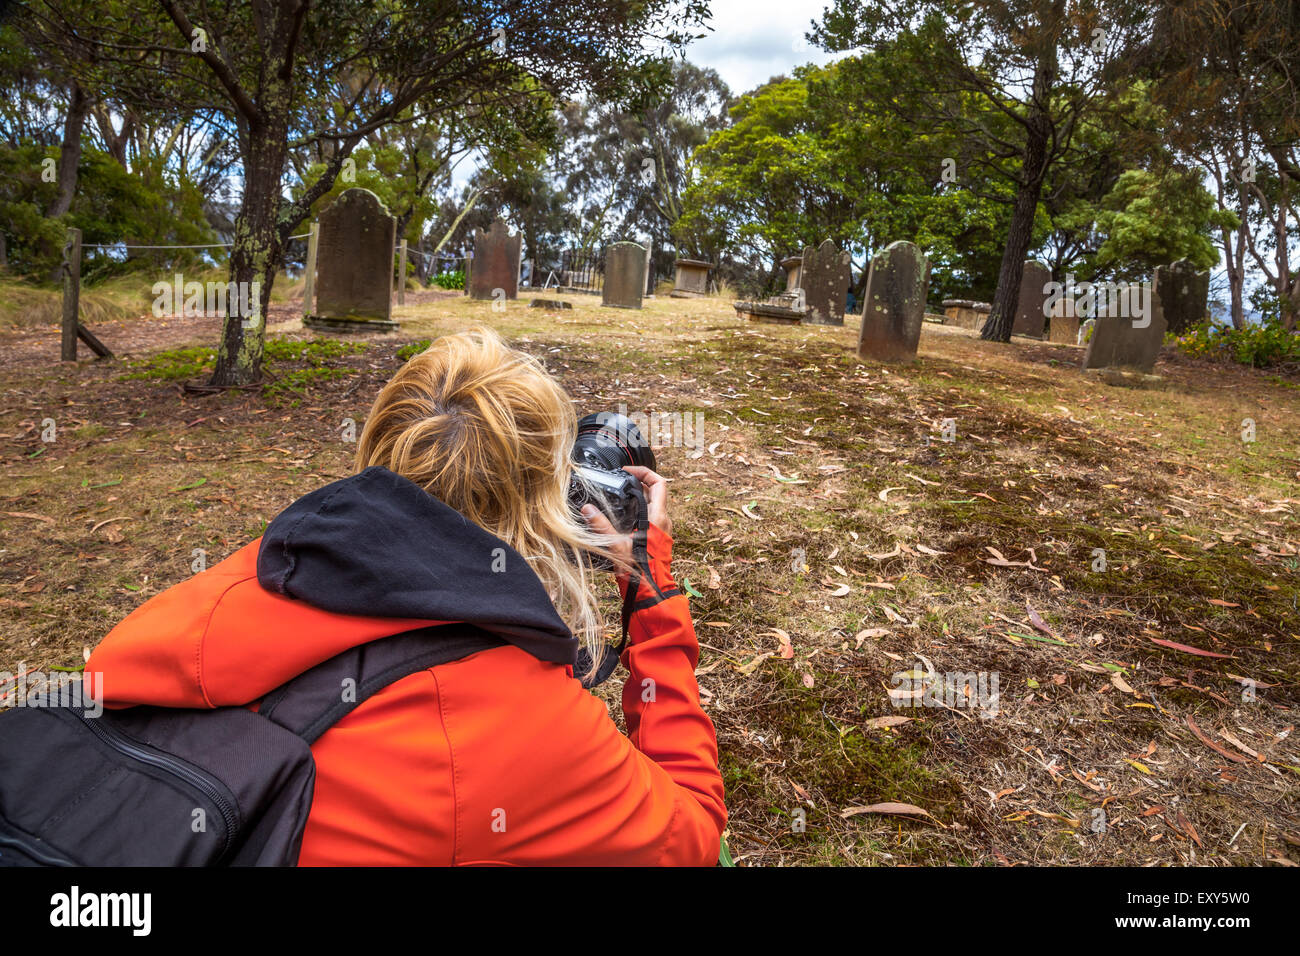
(1064, 326)
(354, 265)
(1030, 311)
(1184, 294)
(496, 263)
(824, 277)
(895, 303)
(624, 275)
(692, 278)
(1128, 339)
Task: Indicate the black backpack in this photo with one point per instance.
(156, 786)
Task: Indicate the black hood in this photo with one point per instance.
(378, 545)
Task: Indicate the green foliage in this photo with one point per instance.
(413, 348)
(146, 206)
(170, 365)
(1261, 345)
(315, 354)
(1152, 219)
(813, 157)
(450, 280)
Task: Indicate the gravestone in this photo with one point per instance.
(1064, 327)
(792, 267)
(895, 303)
(1030, 311)
(824, 278)
(496, 263)
(692, 278)
(966, 313)
(1116, 341)
(1183, 293)
(354, 265)
(624, 275)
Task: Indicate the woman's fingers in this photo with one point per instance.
(656, 493)
(620, 544)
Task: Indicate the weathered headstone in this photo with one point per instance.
(692, 278)
(1126, 339)
(1030, 311)
(792, 266)
(824, 277)
(354, 265)
(624, 275)
(966, 313)
(496, 263)
(1064, 326)
(1183, 293)
(895, 303)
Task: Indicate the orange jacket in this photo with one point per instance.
(501, 757)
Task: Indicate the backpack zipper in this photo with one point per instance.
(31, 847)
(205, 784)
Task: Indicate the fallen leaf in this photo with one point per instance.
(895, 809)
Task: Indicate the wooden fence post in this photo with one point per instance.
(401, 272)
(71, 294)
(309, 288)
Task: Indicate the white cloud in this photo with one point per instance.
(753, 40)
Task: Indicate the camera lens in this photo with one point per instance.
(608, 441)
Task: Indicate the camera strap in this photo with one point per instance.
(641, 567)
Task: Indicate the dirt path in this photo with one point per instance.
(39, 345)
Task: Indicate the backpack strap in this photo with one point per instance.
(314, 701)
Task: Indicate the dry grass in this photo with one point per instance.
(825, 513)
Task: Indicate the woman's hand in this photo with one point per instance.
(655, 489)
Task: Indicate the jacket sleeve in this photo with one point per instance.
(661, 705)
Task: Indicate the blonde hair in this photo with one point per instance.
(485, 429)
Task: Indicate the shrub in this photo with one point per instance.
(450, 280)
(1262, 345)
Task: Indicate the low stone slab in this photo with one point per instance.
(966, 313)
(771, 312)
(555, 304)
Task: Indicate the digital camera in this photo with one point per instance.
(606, 442)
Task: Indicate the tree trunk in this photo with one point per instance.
(1033, 169)
(255, 257)
(69, 152)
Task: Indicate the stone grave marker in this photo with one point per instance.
(824, 278)
(1117, 343)
(1064, 327)
(1183, 293)
(1030, 311)
(354, 265)
(895, 303)
(966, 313)
(496, 262)
(625, 264)
(691, 279)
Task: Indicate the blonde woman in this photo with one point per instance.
(457, 534)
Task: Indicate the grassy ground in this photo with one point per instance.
(834, 541)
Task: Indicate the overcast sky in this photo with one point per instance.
(754, 40)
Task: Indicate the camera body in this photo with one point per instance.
(606, 442)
